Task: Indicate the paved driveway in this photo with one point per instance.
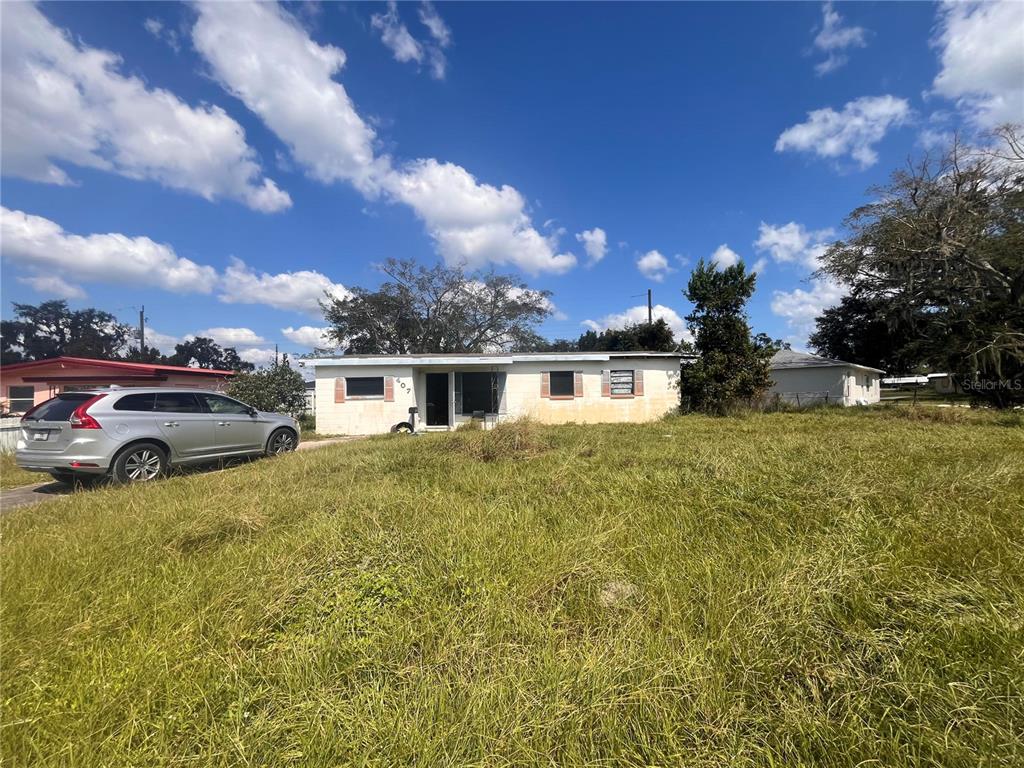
(12, 498)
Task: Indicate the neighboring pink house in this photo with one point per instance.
(23, 385)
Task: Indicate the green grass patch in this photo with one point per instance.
(13, 476)
(834, 588)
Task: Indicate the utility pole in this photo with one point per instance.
(650, 309)
(142, 332)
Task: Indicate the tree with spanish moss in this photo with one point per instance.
(939, 256)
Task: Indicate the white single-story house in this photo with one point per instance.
(367, 394)
(803, 379)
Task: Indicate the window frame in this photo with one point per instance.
(632, 382)
(571, 394)
(31, 399)
(348, 388)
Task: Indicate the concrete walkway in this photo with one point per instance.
(26, 495)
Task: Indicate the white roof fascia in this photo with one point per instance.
(456, 360)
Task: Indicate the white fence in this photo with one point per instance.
(10, 427)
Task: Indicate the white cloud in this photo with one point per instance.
(442, 39)
(653, 265)
(53, 286)
(724, 257)
(258, 356)
(800, 307)
(309, 336)
(162, 341)
(163, 33)
(595, 243)
(290, 86)
(42, 245)
(638, 314)
(475, 224)
(395, 35)
(432, 21)
(67, 103)
(854, 131)
(792, 243)
(299, 291)
(759, 266)
(833, 38)
(232, 337)
(982, 61)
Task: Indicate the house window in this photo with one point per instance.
(867, 382)
(622, 383)
(364, 386)
(563, 384)
(478, 393)
(20, 399)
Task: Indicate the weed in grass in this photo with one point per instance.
(510, 440)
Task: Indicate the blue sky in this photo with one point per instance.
(225, 164)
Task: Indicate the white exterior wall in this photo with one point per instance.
(522, 394)
(844, 385)
(362, 417)
(661, 392)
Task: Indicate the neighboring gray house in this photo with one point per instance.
(800, 378)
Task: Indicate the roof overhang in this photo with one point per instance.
(805, 366)
(483, 360)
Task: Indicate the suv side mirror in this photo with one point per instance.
(252, 411)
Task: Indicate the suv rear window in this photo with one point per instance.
(61, 407)
(140, 402)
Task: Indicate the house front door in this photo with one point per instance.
(437, 399)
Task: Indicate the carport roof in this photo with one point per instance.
(113, 366)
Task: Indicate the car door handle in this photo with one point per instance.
(170, 423)
(223, 423)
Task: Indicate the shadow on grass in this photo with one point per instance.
(29, 494)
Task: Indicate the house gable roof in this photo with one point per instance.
(787, 358)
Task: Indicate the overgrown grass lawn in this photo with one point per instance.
(791, 589)
(13, 476)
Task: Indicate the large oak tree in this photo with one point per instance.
(436, 310)
(939, 255)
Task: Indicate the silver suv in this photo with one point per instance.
(135, 435)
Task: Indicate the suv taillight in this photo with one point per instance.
(80, 418)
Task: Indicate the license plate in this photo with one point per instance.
(40, 436)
